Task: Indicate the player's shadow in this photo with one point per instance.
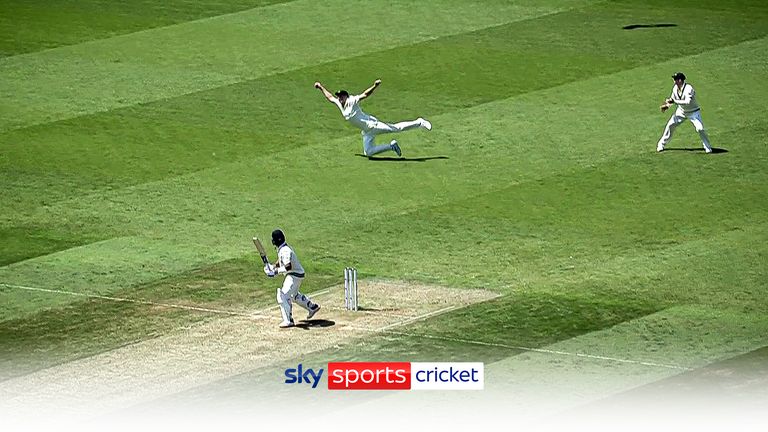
(715, 150)
(310, 324)
(401, 159)
(640, 26)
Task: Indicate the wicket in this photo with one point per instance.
(350, 288)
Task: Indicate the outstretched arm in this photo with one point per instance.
(326, 93)
(668, 102)
(370, 89)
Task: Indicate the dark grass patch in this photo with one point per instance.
(24, 242)
(80, 330)
(28, 26)
(535, 319)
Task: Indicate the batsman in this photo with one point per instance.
(287, 264)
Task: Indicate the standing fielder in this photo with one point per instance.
(288, 264)
(369, 125)
(687, 108)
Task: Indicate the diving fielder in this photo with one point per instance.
(684, 97)
(288, 264)
(370, 126)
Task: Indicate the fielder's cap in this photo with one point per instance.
(342, 93)
(679, 75)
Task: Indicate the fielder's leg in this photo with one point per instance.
(695, 118)
(379, 127)
(382, 127)
(669, 129)
(369, 144)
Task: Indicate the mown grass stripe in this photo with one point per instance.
(175, 60)
(137, 301)
(27, 27)
(157, 205)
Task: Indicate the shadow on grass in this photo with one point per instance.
(401, 159)
(638, 26)
(715, 150)
(310, 324)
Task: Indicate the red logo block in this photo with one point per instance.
(369, 376)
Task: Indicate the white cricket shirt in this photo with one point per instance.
(285, 255)
(352, 111)
(685, 99)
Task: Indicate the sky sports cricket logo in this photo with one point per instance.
(391, 376)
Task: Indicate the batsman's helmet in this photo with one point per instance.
(278, 238)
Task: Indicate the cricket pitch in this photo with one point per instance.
(222, 347)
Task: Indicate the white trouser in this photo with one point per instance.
(375, 127)
(679, 117)
(290, 291)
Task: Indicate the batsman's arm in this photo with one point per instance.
(279, 268)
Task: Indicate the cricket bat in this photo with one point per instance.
(262, 251)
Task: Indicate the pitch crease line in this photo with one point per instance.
(417, 318)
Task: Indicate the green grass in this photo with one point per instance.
(81, 330)
(143, 172)
(31, 26)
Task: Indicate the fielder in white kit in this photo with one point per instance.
(684, 96)
(288, 264)
(369, 125)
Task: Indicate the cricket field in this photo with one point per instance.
(535, 229)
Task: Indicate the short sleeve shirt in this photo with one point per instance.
(286, 255)
(352, 111)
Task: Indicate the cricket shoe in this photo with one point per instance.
(288, 324)
(313, 311)
(660, 149)
(425, 124)
(396, 148)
